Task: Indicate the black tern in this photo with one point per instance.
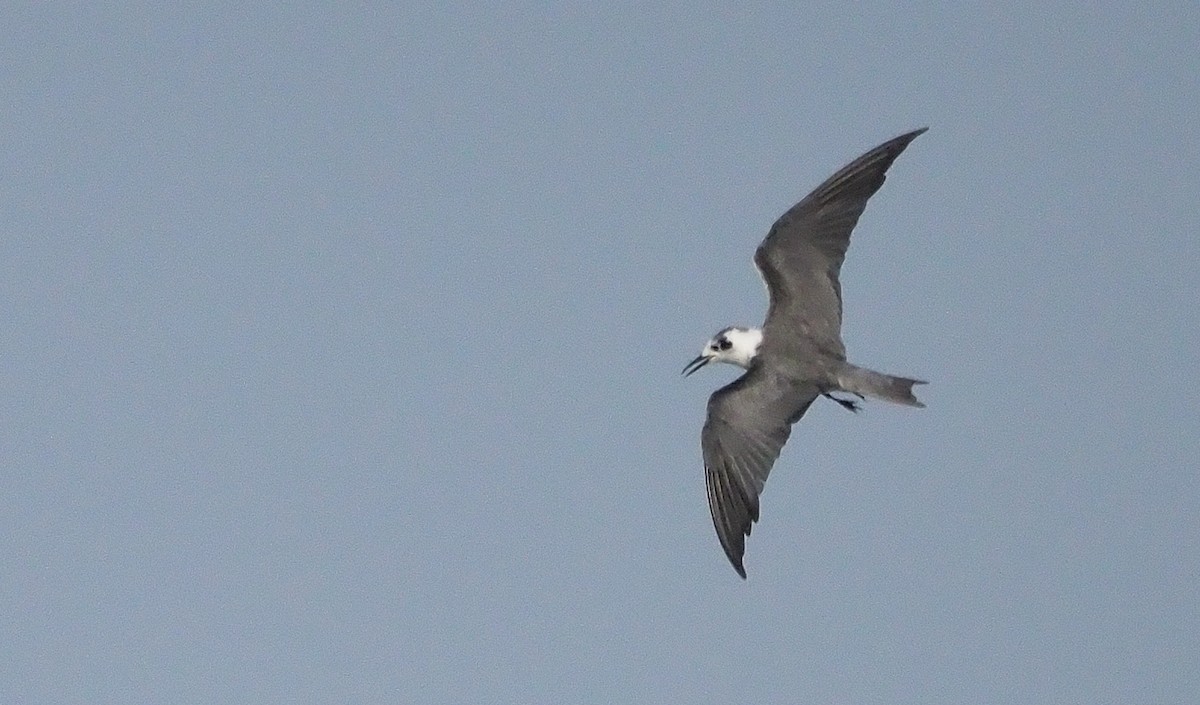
(798, 354)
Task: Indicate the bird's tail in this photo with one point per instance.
(869, 383)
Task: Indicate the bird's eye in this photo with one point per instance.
(724, 344)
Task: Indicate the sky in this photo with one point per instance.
(341, 344)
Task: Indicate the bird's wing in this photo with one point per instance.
(748, 422)
(801, 257)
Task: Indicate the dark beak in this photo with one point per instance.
(696, 364)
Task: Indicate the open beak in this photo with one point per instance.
(696, 364)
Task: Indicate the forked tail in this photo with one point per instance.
(869, 383)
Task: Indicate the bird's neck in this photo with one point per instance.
(746, 342)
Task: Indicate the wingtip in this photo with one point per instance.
(909, 136)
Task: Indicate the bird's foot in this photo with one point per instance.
(847, 404)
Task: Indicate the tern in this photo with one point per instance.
(797, 355)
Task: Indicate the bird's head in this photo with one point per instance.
(734, 345)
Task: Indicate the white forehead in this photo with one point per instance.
(740, 337)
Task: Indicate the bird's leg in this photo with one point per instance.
(847, 404)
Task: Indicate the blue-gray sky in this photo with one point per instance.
(341, 349)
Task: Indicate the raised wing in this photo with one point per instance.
(749, 421)
(801, 258)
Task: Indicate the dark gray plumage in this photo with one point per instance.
(798, 355)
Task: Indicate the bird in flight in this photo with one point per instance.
(798, 354)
